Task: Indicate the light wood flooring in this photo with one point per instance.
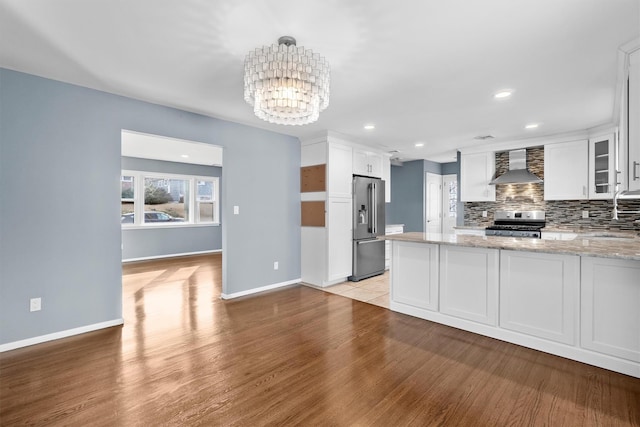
(294, 356)
(374, 290)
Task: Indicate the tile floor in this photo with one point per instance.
(374, 290)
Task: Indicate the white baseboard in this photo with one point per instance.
(258, 290)
(62, 334)
(148, 258)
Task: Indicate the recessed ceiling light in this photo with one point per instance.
(419, 144)
(184, 156)
(532, 126)
(503, 94)
(369, 126)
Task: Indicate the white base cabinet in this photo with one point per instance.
(539, 294)
(582, 308)
(390, 229)
(610, 307)
(415, 275)
(469, 283)
(339, 239)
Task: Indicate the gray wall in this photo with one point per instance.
(157, 242)
(407, 192)
(60, 231)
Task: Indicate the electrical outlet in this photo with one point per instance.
(236, 210)
(585, 214)
(35, 304)
(275, 265)
(484, 214)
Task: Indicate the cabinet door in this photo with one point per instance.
(476, 171)
(539, 294)
(375, 164)
(339, 240)
(566, 170)
(386, 177)
(634, 121)
(469, 283)
(414, 274)
(360, 162)
(602, 174)
(339, 176)
(610, 297)
(367, 163)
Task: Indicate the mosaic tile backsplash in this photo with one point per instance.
(559, 213)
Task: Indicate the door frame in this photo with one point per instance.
(438, 178)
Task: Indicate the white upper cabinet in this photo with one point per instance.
(339, 177)
(476, 171)
(566, 170)
(386, 177)
(367, 163)
(602, 173)
(634, 121)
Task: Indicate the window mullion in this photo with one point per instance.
(192, 201)
(138, 204)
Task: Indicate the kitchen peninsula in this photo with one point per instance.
(578, 299)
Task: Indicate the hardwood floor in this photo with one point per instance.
(296, 356)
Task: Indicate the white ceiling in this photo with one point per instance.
(421, 70)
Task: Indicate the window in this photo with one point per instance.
(127, 199)
(206, 203)
(170, 200)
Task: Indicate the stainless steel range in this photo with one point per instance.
(517, 224)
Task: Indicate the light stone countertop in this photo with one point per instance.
(470, 227)
(603, 247)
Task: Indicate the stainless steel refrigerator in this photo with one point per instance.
(368, 223)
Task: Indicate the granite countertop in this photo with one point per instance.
(470, 227)
(627, 247)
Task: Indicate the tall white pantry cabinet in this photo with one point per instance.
(633, 111)
(327, 251)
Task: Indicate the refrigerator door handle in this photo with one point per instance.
(374, 208)
(362, 242)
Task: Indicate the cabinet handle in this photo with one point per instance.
(635, 170)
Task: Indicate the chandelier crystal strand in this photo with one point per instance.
(286, 84)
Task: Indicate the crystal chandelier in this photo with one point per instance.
(286, 84)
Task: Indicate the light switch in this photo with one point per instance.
(236, 210)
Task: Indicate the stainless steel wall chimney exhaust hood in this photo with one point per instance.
(518, 172)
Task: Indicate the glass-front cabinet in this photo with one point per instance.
(602, 173)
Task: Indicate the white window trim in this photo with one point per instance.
(193, 220)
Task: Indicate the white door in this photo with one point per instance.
(433, 203)
(449, 203)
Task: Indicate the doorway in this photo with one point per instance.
(449, 203)
(441, 198)
(433, 203)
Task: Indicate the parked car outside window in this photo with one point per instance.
(128, 218)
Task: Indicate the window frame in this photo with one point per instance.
(193, 219)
